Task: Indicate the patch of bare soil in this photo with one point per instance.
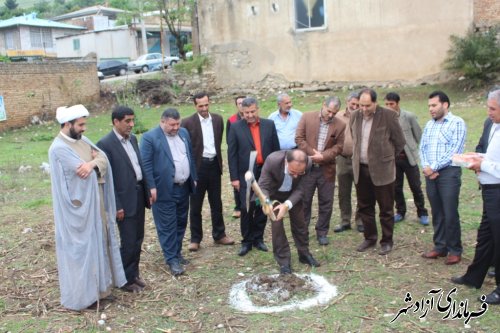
(265, 290)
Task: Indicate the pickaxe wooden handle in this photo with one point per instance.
(265, 202)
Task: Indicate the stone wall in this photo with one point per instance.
(486, 13)
(361, 41)
(34, 90)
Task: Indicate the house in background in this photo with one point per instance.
(29, 36)
(92, 18)
(316, 41)
(110, 41)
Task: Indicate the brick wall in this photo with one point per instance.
(37, 89)
(486, 13)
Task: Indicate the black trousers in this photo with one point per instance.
(252, 221)
(368, 196)
(209, 181)
(412, 173)
(131, 230)
(488, 239)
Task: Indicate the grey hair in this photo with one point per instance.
(333, 99)
(352, 94)
(494, 95)
(279, 98)
(249, 101)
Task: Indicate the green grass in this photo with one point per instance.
(370, 286)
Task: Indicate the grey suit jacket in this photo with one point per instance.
(385, 142)
(413, 134)
(272, 176)
(124, 177)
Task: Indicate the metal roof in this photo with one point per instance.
(33, 21)
(94, 10)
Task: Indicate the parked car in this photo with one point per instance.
(147, 62)
(112, 67)
(100, 75)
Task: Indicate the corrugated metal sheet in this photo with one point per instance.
(32, 20)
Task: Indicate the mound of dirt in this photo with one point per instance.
(276, 289)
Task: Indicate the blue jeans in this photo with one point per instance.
(443, 193)
(171, 221)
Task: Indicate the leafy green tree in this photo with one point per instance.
(11, 4)
(42, 6)
(174, 13)
(476, 56)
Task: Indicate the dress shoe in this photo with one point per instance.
(224, 241)
(461, 281)
(193, 247)
(424, 220)
(245, 248)
(452, 260)
(286, 269)
(183, 261)
(323, 240)
(261, 246)
(398, 217)
(236, 214)
(140, 282)
(433, 254)
(342, 228)
(491, 273)
(361, 228)
(308, 259)
(493, 298)
(132, 288)
(385, 249)
(366, 245)
(176, 268)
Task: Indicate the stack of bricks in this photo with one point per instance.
(38, 89)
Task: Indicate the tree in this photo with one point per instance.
(11, 4)
(174, 13)
(476, 56)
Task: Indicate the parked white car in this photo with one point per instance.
(148, 61)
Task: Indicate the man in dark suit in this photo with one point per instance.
(231, 120)
(281, 179)
(377, 139)
(170, 174)
(246, 135)
(205, 129)
(131, 194)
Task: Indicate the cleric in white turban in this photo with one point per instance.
(88, 255)
(65, 114)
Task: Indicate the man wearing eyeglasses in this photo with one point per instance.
(281, 180)
(321, 136)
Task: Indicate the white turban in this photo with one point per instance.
(65, 114)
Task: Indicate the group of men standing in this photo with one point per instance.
(290, 155)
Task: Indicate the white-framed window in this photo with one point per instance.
(309, 14)
(76, 44)
(9, 40)
(41, 38)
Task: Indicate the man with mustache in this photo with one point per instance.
(131, 194)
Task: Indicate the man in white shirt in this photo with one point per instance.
(206, 129)
(487, 168)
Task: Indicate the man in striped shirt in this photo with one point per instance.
(444, 135)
